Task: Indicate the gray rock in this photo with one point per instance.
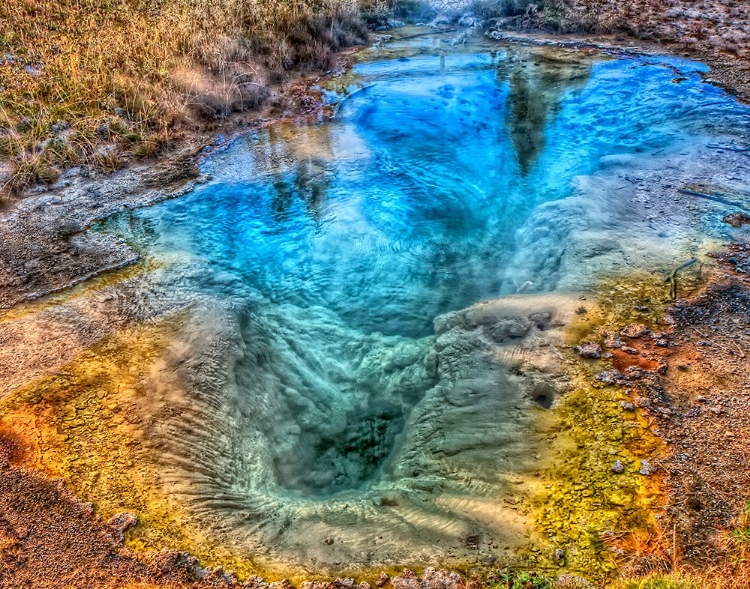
(647, 468)
(635, 330)
(617, 467)
(469, 21)
(589, 350)
(610, 377)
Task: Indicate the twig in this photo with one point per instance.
(672, 278)
(713, 343)
(337, 108)
(712, 197)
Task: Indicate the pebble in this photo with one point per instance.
(589, 350)
(635, 330)
(646, 468)
(626, 406)
(617, 467)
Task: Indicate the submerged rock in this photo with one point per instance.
(737, 220)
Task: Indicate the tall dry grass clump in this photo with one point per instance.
(76, 72)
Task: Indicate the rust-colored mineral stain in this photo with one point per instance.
(644, 357)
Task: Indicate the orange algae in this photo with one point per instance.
(84, 425)
(597, 519)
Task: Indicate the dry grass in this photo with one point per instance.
(733, 572)
(75, 74)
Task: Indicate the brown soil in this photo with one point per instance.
(705, 411)
(49, 539)
(698, 402)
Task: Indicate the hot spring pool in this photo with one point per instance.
(336, 417)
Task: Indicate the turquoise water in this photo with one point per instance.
(330, 248)
(406, 206)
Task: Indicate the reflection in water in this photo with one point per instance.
(538, 84)
(306, 179)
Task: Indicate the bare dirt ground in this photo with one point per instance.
(693, 385)
(702, 409)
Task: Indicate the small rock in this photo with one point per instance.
(328, 541)
(642, 309)
(635, 330)
(589, 350)
(121, 523)
(559, 554)
(609, 377)
(626, 406)
(737, 220)
(611, 339)
(646, 468)
(629, 350)
(617, 467)
(662, 343)
(470, 22)
(59, 126)
(382, 580)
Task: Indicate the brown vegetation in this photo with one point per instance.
(95, 82)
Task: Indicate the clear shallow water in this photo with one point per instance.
(333, 247)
